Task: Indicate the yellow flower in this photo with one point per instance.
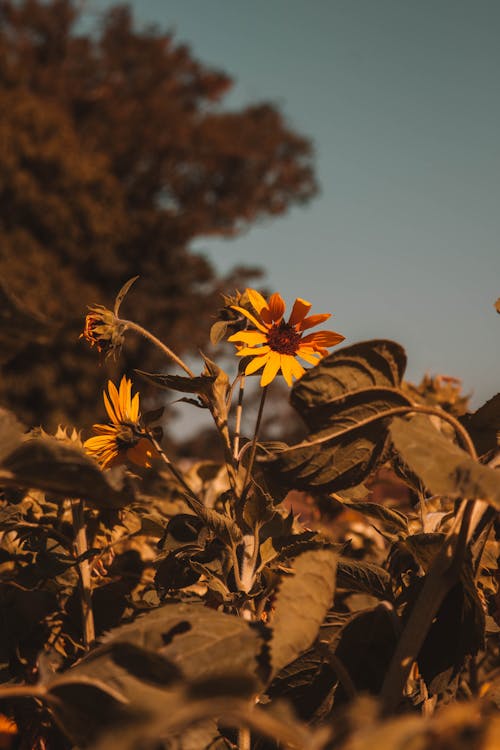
(103, 330)
(125, 437)
(275, 344)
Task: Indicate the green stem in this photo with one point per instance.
(81, 546)
(164, 348)
(246, 483)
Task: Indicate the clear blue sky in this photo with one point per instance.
(402, 101)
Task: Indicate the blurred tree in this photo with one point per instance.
(114, 156)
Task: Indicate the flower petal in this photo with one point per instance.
(248, 351)
(313, 320)
(110, 407)
(260, 326)
(276, 305)
(256, 364)
(256, 300)
(308, 354)
(249, 337)
(323, 338)
(134, 408)
(271, 369)
(290, 368)
(299, 311)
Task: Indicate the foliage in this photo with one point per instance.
(115, 155)
(192, 606)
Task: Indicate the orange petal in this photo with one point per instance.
(271, 369)
(314, 320)
(323, 338)
(276, 307)
(299, 311)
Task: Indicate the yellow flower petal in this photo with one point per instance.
(248, 351)
(270, 371)
(249, 337)
(257, 301)
(260, 326)
(256, 364)
(308, 354)
(290, 368)
(110, 409)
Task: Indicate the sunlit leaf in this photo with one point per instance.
(443, 467)
(302, 601)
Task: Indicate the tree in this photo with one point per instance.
(115, 154)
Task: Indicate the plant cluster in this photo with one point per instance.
(150, 604)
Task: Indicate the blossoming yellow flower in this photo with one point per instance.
(275, 344)
(124, 438)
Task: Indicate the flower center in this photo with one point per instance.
(283, 338)
(127, 436)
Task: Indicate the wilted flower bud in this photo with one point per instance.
(103, 329)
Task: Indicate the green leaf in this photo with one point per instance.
(351, 369)
(52, 465)
(302, 601)
(443, 467)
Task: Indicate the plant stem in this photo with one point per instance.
(239, 412)
(194, 502)
(164, 348)
(81, 546)
(246, 483)
(244, 738)
(443, 574)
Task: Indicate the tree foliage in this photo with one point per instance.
(115, 154)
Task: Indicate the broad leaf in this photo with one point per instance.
(49, 464)
(366, 577)
(200, 641)
(346, 400)
(443, 467)
(484, 425)
(353, 368)
(302, 601)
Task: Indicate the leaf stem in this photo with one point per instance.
(464, 436)
(81, 547)
(163, 347)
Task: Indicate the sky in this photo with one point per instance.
(401, 99)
